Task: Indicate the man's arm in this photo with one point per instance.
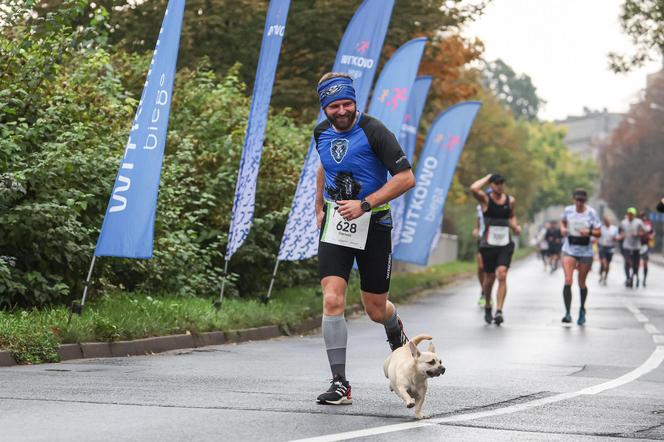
(512, 220)
(320, 181)
(478, 193)
(395, 186)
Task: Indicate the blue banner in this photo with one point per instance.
(128, 227)
(435, 170)
(358, 56)
(408, 141)
(389, 102)
(245, 187)
(411, 121)
(395, 84)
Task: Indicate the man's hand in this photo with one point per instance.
(584, 232)
(517, 230)
(350, 209)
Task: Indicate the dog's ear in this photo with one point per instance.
(413, 350)
(431, 348)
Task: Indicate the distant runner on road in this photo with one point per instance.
(607, 243)
(647, 241)
(496, 245)
(631, 229)
(579, 223)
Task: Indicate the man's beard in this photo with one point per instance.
(342, 123)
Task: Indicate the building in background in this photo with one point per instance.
(586, 133)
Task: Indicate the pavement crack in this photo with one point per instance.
(499, 404)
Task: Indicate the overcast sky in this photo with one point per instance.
(563, 45)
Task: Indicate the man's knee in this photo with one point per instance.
(501, 274)
(375, 306)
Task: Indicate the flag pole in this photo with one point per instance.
(266, 299)
(77, 307)
(217, 304)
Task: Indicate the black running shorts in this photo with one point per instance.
(374, 262)
(493, 257)
(606, 253)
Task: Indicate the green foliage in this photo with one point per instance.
(27, 342)
(516, 92)
(642, 22)
(60, 145)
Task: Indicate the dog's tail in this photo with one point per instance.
(419, 338)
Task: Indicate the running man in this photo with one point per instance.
(647, 241)
(543, 244)
(496, 245)
(352, 212)
(607, 244)
(554, 239)
(631, 229)
(579, 223)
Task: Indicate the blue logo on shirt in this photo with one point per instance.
(338, 149)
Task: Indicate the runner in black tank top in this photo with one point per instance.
(496, 245)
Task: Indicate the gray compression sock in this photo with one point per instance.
(335, 335)
(392, 325)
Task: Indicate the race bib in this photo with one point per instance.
(576, 226)
(498, 236)
(345, 233)
(644, 249)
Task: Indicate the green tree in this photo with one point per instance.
(516, 92)
(643, 22)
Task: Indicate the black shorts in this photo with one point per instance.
(606, 253)
(374, 262)
(493, 257)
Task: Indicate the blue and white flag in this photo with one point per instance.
(408, 141)
(411, 121)
(357, 56)
(395, 84)
(390, 99)
(245, 187)
(128, 227)
(434, 174)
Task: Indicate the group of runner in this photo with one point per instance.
(571, 242)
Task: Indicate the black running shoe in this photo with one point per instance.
(498, 319)
(398, 339)
(338, 393)
(567, 318)
(488, 315)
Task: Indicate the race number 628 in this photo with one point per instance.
(345, 226)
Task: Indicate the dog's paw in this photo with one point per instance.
(421, 416)
(410, 404)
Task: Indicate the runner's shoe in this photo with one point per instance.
(567, 318)
(488, 315)
(482, 301)
(498, 319)
(338, 393)
(582, 317)
(398, 339)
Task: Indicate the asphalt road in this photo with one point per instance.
(531, 379)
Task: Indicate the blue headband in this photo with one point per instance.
(338, 88)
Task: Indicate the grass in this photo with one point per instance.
(32, 336)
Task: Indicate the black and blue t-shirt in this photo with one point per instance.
(356, 161)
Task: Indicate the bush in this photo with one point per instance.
(64, 122)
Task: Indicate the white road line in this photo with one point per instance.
(654, 361)
(651, 329)
(650, 364)
(641, 317)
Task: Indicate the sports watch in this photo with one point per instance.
(366, 206)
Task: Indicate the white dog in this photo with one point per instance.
(408, 370)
